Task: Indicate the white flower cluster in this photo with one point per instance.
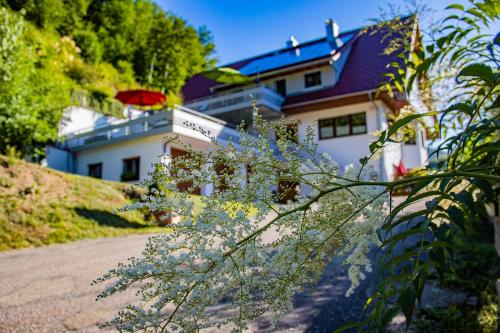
(244, 250)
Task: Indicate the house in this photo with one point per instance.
(330, 82)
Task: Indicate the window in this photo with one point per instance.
(95, 170)
(358, 123)
(342, 126)
(326, 128)
(312, 79)
(281, 87)
(130, 169)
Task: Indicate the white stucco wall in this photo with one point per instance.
(76, 118)
(295, 82)
(149, 149)
(80, 118)
(344, 150)
(59, 159)
(349, 149)
(415, 155)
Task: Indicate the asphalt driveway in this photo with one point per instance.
(48, 290)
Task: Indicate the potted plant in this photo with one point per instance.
(163, 217)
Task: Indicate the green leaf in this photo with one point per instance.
(401, 236)
(476, 70)
(406, 301)
(406, 120)
(457, 216)
(419, 282)
(456, 6)
(464, 197)
(346, 327)
(404, 218)
(387, 317)
(496, 40)
(485, 187)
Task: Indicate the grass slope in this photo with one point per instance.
(40, 206)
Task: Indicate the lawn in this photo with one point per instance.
(41, 206)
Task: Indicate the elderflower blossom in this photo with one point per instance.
(245, 251)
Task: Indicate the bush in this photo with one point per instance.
(87, 41)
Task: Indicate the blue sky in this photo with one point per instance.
(246, 28)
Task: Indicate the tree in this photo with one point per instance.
(174, 53)
(33, 92)
(163, 49)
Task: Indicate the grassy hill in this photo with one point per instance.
(40, 206)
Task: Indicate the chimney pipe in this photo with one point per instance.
(292, 42)
(332, 33)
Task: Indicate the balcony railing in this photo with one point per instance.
(227, 102)
(158, 123)
(116, 131)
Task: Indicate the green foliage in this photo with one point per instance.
(471, 274)
(455, 318)
(173, 53)
(459, 192)
(88, 42)
(33, 91)
(161, 47)
(46, 14)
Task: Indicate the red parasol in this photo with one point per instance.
(141, 97)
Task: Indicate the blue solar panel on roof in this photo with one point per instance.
(291, 56)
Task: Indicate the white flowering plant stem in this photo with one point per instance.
(244, 249)
(249, 253)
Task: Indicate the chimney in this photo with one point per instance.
(332, 34)
(292, 42)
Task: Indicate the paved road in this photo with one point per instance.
(48, 290)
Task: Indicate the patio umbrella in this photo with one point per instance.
(141, 97)
(227, 75)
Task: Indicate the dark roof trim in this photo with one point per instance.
(290, 106)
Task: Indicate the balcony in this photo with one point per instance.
(180, 120)
(229, 106)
